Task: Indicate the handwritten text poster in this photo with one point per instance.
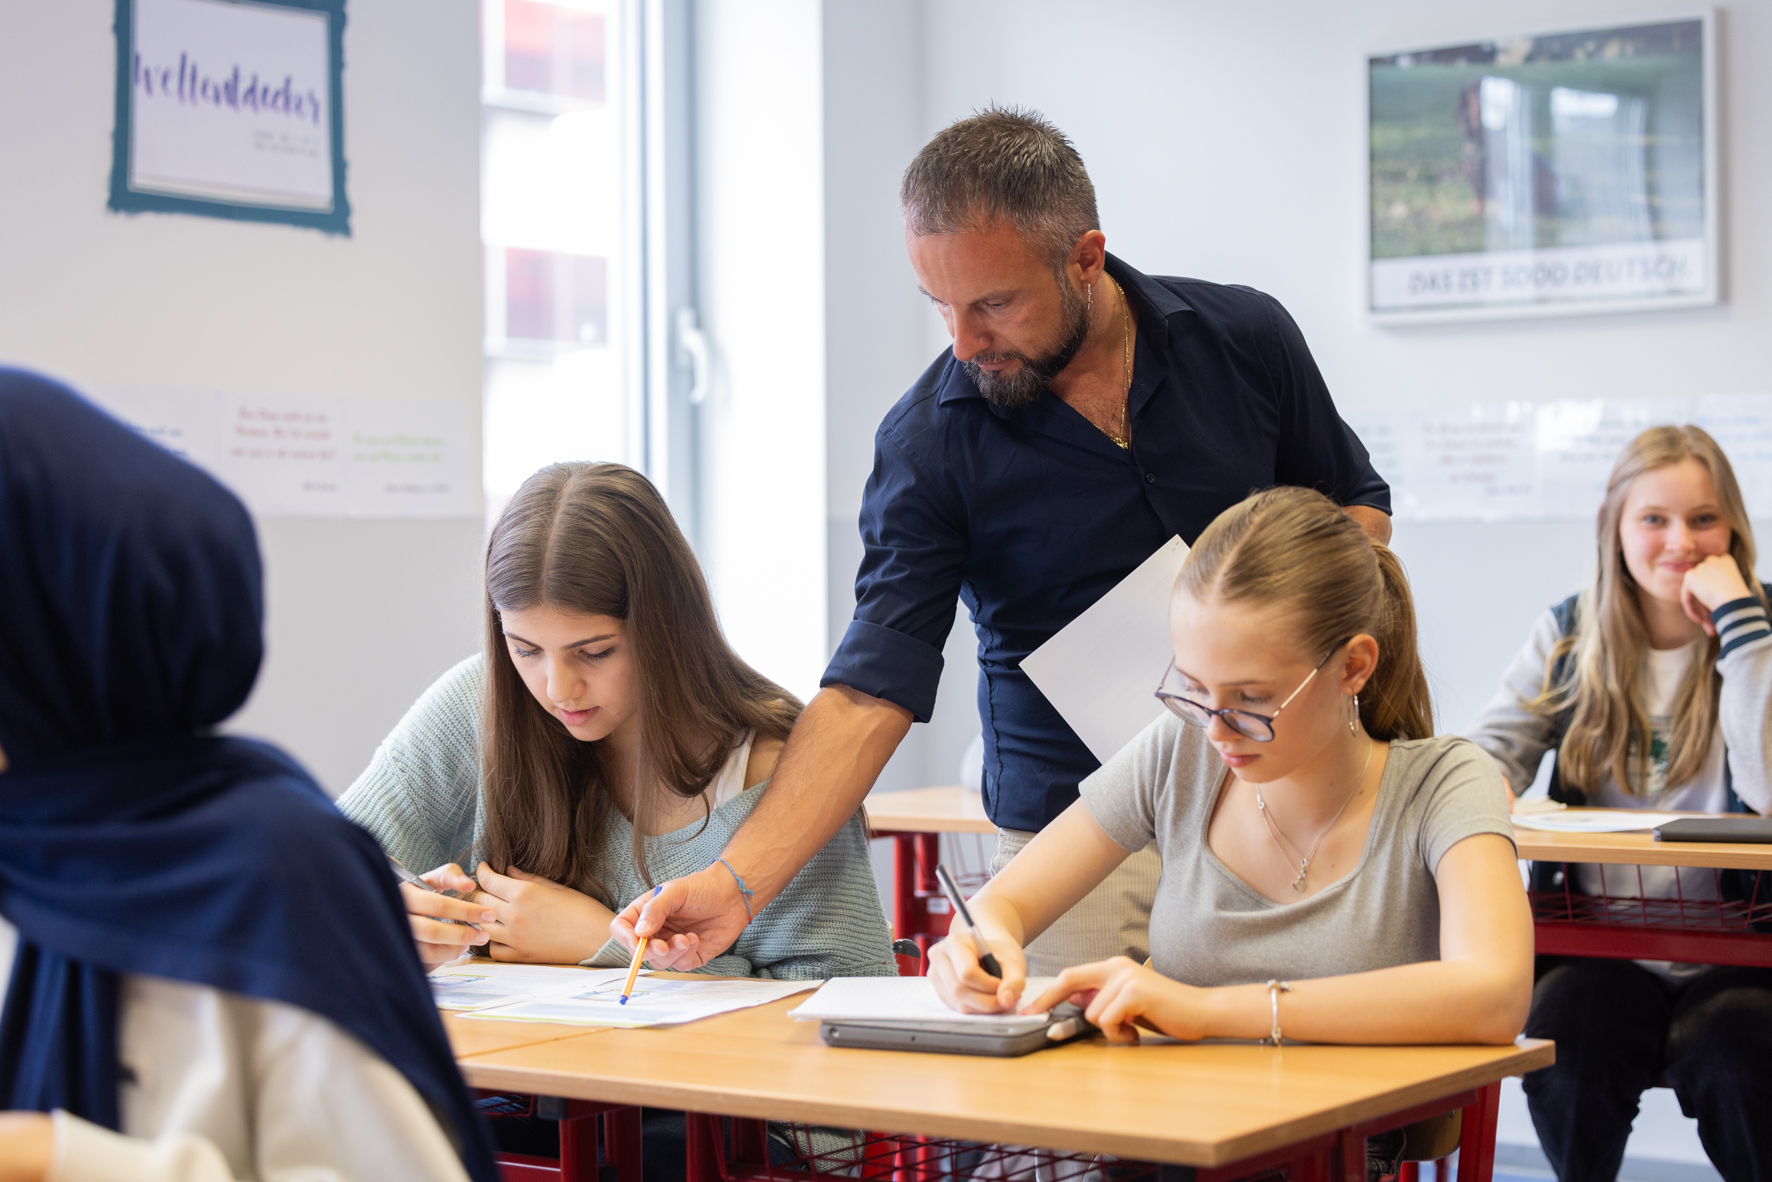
(303, 456)
(1520, 461)
(231, 109)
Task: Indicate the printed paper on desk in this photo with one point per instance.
(1101, 670)
(1593, 821)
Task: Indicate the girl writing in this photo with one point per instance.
(1331, 872)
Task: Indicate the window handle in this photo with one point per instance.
(692, 351)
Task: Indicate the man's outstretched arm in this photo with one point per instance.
(832, 758)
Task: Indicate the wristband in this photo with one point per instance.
(744, 892)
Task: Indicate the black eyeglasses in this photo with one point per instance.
(1247, 723)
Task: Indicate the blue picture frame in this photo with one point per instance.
(124, 199)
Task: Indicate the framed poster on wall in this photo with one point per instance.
(232, 109)
(1565, 172)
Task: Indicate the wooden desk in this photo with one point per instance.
(477, 1036)
(1621, 926)
(1207, 1106)
(1639, 849)
(952, 809)
(914, 820)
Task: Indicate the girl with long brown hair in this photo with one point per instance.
(607, 739)
(1310, 825)
(1654, 689)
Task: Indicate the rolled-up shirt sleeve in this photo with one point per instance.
(914, 547)
(1317, 450)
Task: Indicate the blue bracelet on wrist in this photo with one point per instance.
(744, 892)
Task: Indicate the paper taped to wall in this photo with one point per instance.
(292, 455)
(1101, 671)
(1521, 461)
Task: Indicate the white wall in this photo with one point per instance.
(760, 286)
(361, 614)
(1227, 143)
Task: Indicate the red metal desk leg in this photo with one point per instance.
(621, 1132)
(578, 1148)
(904, 886)
(702, 1147)
(1476, 1145)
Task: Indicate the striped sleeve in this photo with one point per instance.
(1740, 622)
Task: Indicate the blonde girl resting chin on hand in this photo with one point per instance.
(1310, 827)
(1654, 688)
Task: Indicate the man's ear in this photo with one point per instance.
(1088, 255)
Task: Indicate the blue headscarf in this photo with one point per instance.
(131, 841)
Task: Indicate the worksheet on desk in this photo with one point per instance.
(1593, 820)
(656, 1001)
(901, 1001)
(480, 985)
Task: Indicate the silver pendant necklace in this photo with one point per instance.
(1304, 863)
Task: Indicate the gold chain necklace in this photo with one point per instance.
(1123, 440)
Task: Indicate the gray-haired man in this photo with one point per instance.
(1085, 414)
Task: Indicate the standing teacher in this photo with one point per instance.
(1085, 415)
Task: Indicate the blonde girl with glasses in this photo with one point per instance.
(1654, 689)
(1331, 871)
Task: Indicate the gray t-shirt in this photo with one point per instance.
(1209, 927)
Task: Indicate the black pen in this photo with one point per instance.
(986, 961)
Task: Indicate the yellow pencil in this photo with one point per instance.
(639, 955)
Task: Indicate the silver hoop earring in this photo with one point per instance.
(1090, 293)
(1353, 715)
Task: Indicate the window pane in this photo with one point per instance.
(556, 297)
(553, 50)
(559, 232)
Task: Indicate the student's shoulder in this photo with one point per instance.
(455, 695)
(1446, 768)
(1166, 750)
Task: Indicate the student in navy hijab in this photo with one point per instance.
(213, 976)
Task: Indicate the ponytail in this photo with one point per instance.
(1395, 703)
(1295, 546)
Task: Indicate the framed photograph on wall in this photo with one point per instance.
(1548, 174)
(232, 109)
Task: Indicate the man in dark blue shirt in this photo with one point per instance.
(1085, 414)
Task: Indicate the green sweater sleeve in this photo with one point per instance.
(420, 795)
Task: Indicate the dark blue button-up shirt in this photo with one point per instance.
(1031, 515)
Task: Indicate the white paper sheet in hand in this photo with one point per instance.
(898, 1001)
(1100, 670)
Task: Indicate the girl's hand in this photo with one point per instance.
(533, 919)
(27, 1142)
(439, 942)
(1709, 585)
(962, 982)
(1117, 993)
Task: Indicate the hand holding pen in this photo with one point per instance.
(968, 973)
(985, 960)
(444, 925)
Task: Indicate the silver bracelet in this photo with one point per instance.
(1274, 989)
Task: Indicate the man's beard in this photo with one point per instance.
(1024, 386)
